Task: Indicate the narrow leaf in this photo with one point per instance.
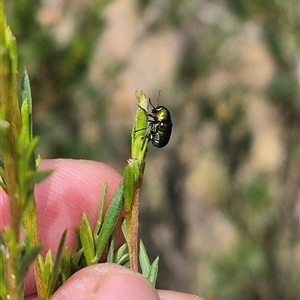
(144, 260)
(109, 222)
(26, 134)
(121, 255)
(26, 91)
(101, 206)
(75, 261)
(47, 268)
(65, 266)
(153, 271)
(87, 240)
(3, 282)
(3, 176)
(56, 267)
(26, 261)
(77, 236)
(3, 186)
(39, 176)
(129, 185)
(111, 250)
(41, 262)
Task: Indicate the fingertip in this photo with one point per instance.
(106, 282)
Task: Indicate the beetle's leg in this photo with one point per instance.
(136, 130)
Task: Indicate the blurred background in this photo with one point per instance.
(220, 203)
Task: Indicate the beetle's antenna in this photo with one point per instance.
(151, 103)
(158, 97)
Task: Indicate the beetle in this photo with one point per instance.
(159, 125)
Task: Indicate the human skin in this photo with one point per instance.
(73, 188)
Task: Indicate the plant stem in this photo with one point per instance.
(134, 230)
(10, 106)
(133, 176)
(11, 114)
(31, 225)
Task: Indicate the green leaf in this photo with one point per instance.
(56, 267)
(139, 140)
(26, 97)
(153, 271)
(121, 255)
(77, 236)
(101, 206)
(129, 185)
(3, 181)
(109, 222)
(3, 281)
(11, 242)
(111, 250)
(29, 152)
(65, 266)
(148, 270)
(26, 134)
(47, 267)
(87, 240)
(75, 261)
(38, 161)
(13, 53)
(144, 260)
(39, 176)
(30, 254)
(4, 133)
(41, 262)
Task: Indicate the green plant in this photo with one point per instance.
(19, 173)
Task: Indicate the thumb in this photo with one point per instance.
(106, 282)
